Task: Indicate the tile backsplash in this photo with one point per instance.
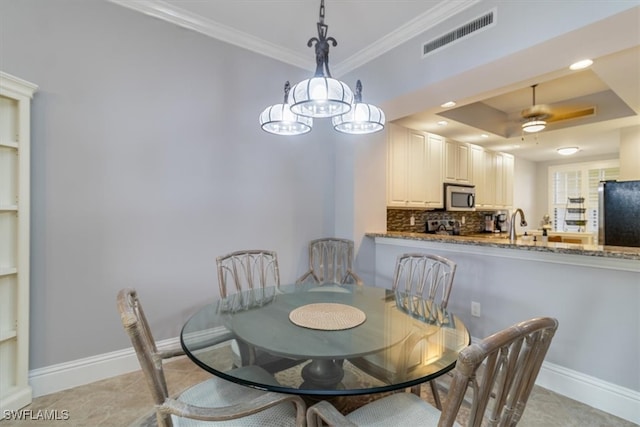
(400, 220)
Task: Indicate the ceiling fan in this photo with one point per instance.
(535, 118)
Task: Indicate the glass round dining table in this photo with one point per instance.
(332, 340)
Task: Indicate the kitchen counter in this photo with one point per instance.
(502, 241)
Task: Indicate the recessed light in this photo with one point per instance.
(484, 135)
(580, 65)
(567, 151)
(443, 123)
(448, 104)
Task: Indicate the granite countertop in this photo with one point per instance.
(502, 241)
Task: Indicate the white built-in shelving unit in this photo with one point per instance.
(15, 112)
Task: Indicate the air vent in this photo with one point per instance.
(484, 21)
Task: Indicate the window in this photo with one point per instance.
(573, 194)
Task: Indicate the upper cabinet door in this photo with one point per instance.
(504, 165)
(418, 169)
(457, 164)
(435, 165)
(397, 158)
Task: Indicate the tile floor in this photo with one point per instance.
(124, 400)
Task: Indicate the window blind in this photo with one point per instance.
(574, 181)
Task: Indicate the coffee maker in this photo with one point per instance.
(501, 222)
(489, 223)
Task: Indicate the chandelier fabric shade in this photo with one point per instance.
(280, 120)
(361, 119)
(322, 96)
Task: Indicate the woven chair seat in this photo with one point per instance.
(384, 412)
(217, 392)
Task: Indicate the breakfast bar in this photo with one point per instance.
(501, 241)
(594, 291)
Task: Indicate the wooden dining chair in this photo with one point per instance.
(330, 263)
(420, 279)
(247, 270)
(510, 361)
(251, 270)
(214, 402)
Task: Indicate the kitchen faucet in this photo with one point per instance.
(512, 225)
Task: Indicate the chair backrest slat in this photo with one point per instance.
(501, 369)
(428, 277)
(247, 270)
(331, 262)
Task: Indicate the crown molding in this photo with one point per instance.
(208, 27)
(421, 23)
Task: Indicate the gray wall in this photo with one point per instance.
(147, 163)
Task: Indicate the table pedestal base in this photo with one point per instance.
(322, 374)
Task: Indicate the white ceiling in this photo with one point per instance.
(367, 29)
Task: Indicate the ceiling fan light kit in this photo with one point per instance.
(322, 96)
(533, 126)
(535, 116)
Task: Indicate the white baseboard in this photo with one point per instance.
(62, 376)
(607, 397)
(611, 398)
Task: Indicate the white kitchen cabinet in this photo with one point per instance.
(484, 176)
(435, 189)
(492, 174)
(417, 169)
(414, 176)
(478, 173)
(397, 167)
(456, 162)
(504, 165)
(508, 176)
(15, 107)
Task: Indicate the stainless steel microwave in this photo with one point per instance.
(459, 197)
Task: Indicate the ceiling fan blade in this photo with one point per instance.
(573, 114)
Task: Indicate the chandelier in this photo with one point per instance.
(322, 96)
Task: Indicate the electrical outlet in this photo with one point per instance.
(475, 309)
(412, 220)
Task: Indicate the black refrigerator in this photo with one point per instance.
(619, 213)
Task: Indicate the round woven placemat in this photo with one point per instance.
(327, 316)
